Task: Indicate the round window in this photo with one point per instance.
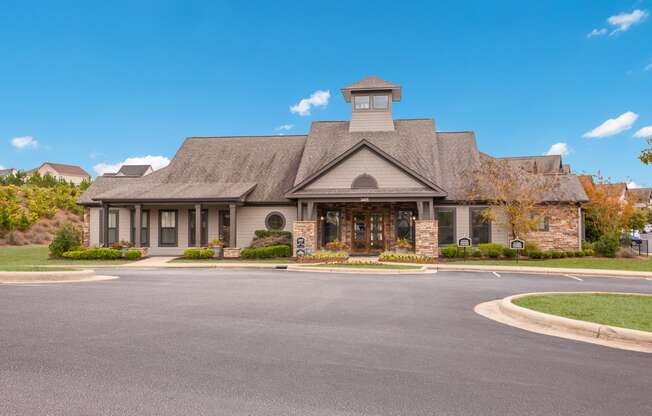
(275, 221)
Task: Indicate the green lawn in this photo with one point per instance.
(626, 311)
(35, 258)
(640, 265)
(272, 261)
(366, 266)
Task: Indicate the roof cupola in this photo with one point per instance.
(371, 104)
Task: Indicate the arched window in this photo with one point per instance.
(275, 221)
(364, 181)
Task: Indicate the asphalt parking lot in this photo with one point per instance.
(247, 342)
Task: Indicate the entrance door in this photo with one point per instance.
(368, 232)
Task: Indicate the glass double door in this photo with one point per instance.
(368, 236)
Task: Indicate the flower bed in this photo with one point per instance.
(389, 256)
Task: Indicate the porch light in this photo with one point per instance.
(321, 218)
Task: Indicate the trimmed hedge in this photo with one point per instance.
(133, 254)
(269, 252)
(99, 253)
(198, 253)
(271, 233)
(324, 256)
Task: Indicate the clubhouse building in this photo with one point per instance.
(368, 181)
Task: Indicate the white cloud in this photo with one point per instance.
(624, 21)
(561, 149)
(632, 185)
(644, 133)
(613, 126)
(318, 98)
(157, 162)
(597, 32)
(24, 142)
(284, 127)
(648, 67)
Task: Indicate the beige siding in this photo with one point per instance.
(47, 169)
(371, 121)
(251, 219)
(365, 161)
(500, 230)
(462, 222)
(124, 224)
(94, 228)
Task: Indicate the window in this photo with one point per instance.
(480, 227)
(167, 234)
(331, 226)
(361, 102)
(224, 227)
(275, 221)
(364, 181)
(144, 227)
(381, 102)
(191, 228)
(446, 225)
(113, 226)
(405, 225)
(543, 223)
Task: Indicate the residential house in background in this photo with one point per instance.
(69, 173)
(642, 197)
(7, 172)
(367, 181)
(132, 171)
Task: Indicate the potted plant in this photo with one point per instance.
(122, 246)
(402, 246)
(218, 247)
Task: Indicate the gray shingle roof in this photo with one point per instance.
(219, 168)
(641, 194)
(372, 83)
(537, 164)
(134, 170)
(63, 169)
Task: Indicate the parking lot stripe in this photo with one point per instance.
(496, 274)
(574, 277)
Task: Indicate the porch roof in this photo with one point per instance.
(366, 193)
(197, 191)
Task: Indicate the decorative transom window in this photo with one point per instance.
(275, 221)
(364, 181)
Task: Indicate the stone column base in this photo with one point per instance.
(426, 238)
(304, 238)
(231, 252)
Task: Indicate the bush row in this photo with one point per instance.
(390, 256)
(280, 250)
(271, 233)
(490, 250)
(94, 254)
(324, 256)
(556, 254)
(198, 253)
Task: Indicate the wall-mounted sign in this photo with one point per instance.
(464, 242)
(517, 244)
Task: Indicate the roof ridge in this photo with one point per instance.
(246, 136)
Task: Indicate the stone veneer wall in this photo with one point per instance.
(231, 252)
(307, 230)
(426, 243)
(564, 229)
(86, 227)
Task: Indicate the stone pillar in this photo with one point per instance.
(86, 227)
(426, 238)
(138, 216)
(306, 230)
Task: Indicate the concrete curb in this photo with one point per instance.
(568, 328)
(623, 274)
(356, 270)
(52, 277)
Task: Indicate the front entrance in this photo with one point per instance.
(368, 234)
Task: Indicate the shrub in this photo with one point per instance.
(403, 243)
(491, 250)
(271, 233)
(198, 253)
(535, 254)
(588, 252)
(547, 255)
(607, 245)
(98, 253)
(216, 243)
(570, 254)
(475, 252)
(324, 256)
(509, 252)
(66, 237)
(555, 254)
(133, 254)
(390, 256)
(450, 251)
(281, 250)
(336, 245)
(579, 253)
(531, 246)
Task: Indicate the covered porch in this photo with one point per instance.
(368, 226)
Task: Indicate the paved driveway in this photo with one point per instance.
(208, 342)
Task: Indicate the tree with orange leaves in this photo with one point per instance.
(609, 210)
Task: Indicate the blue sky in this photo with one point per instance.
(96, 83)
